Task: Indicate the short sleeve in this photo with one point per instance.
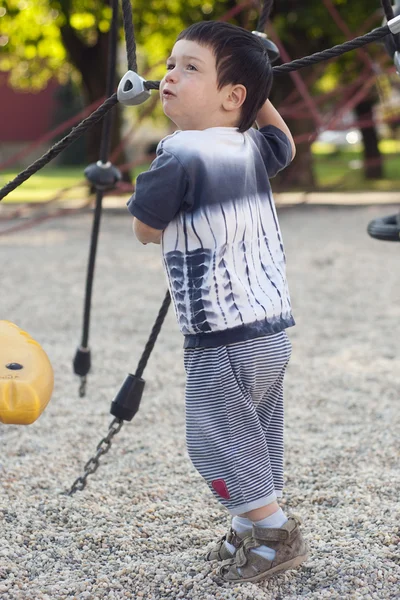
(275, 148)
(161, 192)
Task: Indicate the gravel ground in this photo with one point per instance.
(141, 527)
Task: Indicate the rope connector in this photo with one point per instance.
(103, 176)
(397, 62)
(126, 403)
(272, 49)
(131, 90)
(392, 41)
(394, 25)
(82, 361)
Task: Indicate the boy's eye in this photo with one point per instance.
(169, 67)
(191, 68)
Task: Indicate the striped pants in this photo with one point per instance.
(234, 419)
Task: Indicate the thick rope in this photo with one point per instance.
(129, 35)
(387, 9)
(338, 50)
(389, 14)
(110, 84)
(55, 150)
(153, 336)
(104, 152)
(264, 16)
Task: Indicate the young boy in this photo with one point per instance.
(207, 200)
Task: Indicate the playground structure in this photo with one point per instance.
(104, 176)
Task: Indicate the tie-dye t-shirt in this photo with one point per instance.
(222, 245)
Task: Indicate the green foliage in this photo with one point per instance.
(31, 47)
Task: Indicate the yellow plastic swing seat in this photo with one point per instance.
(26, 376)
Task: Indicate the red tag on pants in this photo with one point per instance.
(220, 487)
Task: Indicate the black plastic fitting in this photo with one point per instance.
(126, 403)
(103, 176)
(82, 361)
(272, 49)
(392, 42)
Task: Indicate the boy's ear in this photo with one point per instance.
(236, 97)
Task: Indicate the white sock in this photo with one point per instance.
(240, 525)
(276, 520)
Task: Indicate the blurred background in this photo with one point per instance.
(344, 113)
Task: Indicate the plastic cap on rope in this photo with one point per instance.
(397, 62)
(394, 24)
(272, 49)
(389, 41)
(394, 27)
(131, 90)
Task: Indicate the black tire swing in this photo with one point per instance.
(386, 229)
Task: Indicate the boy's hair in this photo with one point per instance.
(241, 58)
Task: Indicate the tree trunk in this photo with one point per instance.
(373, 167)
(92, 63)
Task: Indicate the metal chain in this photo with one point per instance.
(82, 387)
(93, 463)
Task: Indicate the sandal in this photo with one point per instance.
(220, 551)
(246, 565)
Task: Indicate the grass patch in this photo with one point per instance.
(45, 184)
(48, 182)
(344, 171)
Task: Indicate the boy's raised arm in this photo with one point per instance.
(268, 115)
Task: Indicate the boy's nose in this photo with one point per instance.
(171, 75)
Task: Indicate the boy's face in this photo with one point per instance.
(189, 90)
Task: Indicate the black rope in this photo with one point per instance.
(389, 14)
(75, 134)
(153, 335)
(90, 269)
(387, 9)
(129, 35)
(264, 15)
(358, 42)
(104, 151)
(110, 85)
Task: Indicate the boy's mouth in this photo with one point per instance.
(167, 93)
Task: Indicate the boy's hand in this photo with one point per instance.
(268, 115)
(146, 234)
